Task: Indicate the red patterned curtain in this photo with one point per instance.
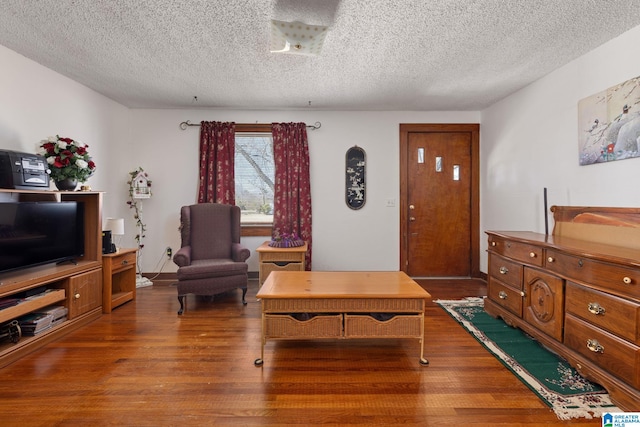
(217, 150)
(292, 196)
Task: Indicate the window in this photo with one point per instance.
(254, 180)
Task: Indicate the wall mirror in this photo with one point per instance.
(355, 185)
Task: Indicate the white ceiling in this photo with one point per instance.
(377, 55)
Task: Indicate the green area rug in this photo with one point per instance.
(544, 372)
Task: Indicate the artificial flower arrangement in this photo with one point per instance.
(285, 240)
(67, 159)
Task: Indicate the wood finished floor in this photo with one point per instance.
(142, 365)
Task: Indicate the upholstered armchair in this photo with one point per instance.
(211, 259)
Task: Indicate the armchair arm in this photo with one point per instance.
(239, 253)
(183, 256)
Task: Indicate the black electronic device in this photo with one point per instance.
(34, 233)
(23, 171)
(108, 247)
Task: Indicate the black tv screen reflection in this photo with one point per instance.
(36, 233)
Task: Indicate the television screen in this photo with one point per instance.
(34, 233)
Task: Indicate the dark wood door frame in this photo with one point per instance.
(474, 130)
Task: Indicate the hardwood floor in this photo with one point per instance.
(142, 365)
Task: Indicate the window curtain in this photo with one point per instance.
(217, 150)
(292, 195)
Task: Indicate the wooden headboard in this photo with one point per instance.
(609, 226)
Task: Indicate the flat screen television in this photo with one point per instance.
(36, 233)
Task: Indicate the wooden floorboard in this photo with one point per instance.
(142, 365)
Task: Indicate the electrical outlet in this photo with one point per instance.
(169, 251)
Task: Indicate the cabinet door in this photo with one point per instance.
(544, 303)
(84, 293)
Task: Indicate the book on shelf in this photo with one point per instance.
(34, 323)
(56, 311)
(8, 302)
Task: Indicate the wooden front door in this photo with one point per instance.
(439, 200)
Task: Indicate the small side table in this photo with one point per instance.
(118, 278)
(279, 259)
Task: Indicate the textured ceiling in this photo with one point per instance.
(377, 55)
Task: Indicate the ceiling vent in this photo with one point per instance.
(297, 37)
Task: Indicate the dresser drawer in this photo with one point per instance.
(603, 275)
(505, 296)
(616, 315)
(506, 271)
(268, 267)
(611, 353)
(528, 254)
(120, 262)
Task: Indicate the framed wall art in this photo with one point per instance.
(609, 124)
(355, 183)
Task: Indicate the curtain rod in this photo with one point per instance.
(187, 123)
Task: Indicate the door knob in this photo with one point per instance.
(412, 218)
(412, 207)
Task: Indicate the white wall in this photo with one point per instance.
(36, 102)
(529, 141)
(366, 239)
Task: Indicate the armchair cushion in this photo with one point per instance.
(205, 268)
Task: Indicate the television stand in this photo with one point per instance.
(76, 285)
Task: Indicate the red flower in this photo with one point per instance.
(91, 164)
(67, 140)
(49, 146)
(58, 163)
(81, 150)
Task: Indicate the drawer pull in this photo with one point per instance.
(502, 295)
(493, 243)
(595, 308)
(532, 254)
(551, 259)
(595, 346)
(504, 270)
(627, 280)
(77, 296)
(125, 262)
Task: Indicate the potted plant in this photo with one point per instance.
(69, 161)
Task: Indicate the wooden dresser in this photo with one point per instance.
(577, 292)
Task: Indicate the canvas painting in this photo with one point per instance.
(609, 124)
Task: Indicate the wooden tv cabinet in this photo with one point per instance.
(576, 291)
(77, 286)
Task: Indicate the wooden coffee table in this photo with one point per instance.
(341, 305)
